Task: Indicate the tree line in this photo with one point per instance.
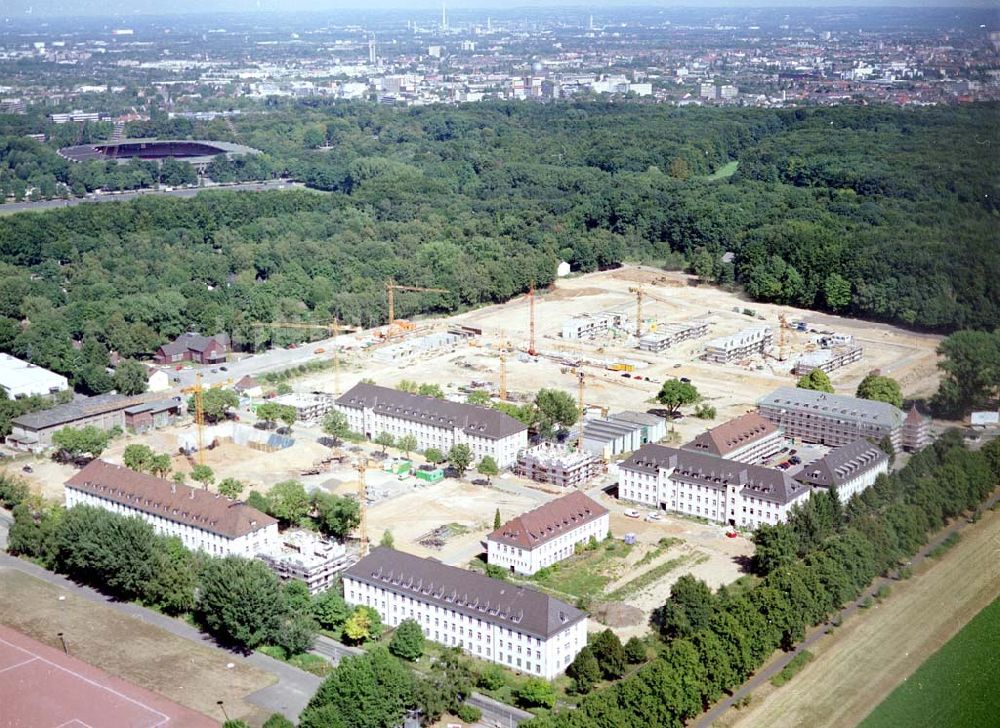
(823, 557)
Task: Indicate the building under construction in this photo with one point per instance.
(592, 325)
(302, 555)
(667, 335)
(828, 360)
(558, 465)
(741, 345)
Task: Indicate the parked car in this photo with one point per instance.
(28, 469)
(223, 369)
(685, 380)
(632, 513)
(319, 350)
(795, 460)
(653, 516)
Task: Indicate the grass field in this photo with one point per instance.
(958, 686)
(860, 663)
(726, 170)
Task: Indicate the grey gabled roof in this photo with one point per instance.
(496, 602)
(194, 342)
(842, 464)
(834, 405)
(65, 414)
(473, 420)
(710, 470)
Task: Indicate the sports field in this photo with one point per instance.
(958, 686)
(42, 686)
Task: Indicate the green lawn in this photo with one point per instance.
(587, 573)
(957, 687)
(726, 170)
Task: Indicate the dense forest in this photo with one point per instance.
(878, 212)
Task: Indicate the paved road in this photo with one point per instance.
(496, 714)
(760, 678)
(6, 521)
(12, 207)
(288, 696)
(332, 650)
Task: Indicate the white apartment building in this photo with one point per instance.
(741, 345)
(203, 521)
(849, 468)
(308, 407)
(514, 626)
(668, 335)
(748, 438)
(19, 378)
(547, 534)
(592, 325)
(698, 484)
(371, 410)
(302, 555)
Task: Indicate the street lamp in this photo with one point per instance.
(63, 640)
(222, 707)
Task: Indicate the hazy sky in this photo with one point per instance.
(22, 8)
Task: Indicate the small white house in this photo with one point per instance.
(158, 381)
(562, 270)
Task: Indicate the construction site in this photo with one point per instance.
(659, 327)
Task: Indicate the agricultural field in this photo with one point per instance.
(860, 663)
(958, 686)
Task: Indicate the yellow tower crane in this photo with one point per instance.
(198, 390)
(639, 293)
(581, 405)
(362, 466)
(391, 287)
(335, 328)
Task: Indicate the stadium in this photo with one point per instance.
(197, 152)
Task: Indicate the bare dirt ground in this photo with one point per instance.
(190, 674)
(732, 389)
(859, 664)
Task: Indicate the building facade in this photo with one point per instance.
(308, 407)
(194, 347)
(835, 419)
(547, 534)
(742, 345)
(828, 360)
(699, 484)
(748, 438)
(590, 326)
(303, 556)
(514, 626)
(848, 468)
(916, 430)
(557, 464)
(203, 521)
(668, 335)
(620, 433)
(371, 410)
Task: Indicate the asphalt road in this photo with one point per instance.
(765, 675)
(496, 714)
(288, 696)
(6, 521)
(12, 207)
(332, 650)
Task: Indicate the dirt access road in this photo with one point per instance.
(860, 663)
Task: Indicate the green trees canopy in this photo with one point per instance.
(369, 691)
(971, 368)
(675, 394)
(74, 442)
(460, 457)
(880, 389)
(407, 641)
(130, 377)
(817, 379)
(239, 601)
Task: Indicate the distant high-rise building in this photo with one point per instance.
(444, 17)
(707, 90)
(372, 54)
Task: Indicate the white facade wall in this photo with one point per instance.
(546, 658)
(854, 486)
(720, 504)
(758, 450)
(370, 423)
(193, 537)
(529, 561)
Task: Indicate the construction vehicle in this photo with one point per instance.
(335, 328)
(402, 325)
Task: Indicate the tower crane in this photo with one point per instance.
(361, 466)
(531, 320)
(503, 368)
(641, 293)
(335, 328)
(581, 405)
(198, 390)
(391, 287)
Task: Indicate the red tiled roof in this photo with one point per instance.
(731, 435)
(179, 503)
(546, 522)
